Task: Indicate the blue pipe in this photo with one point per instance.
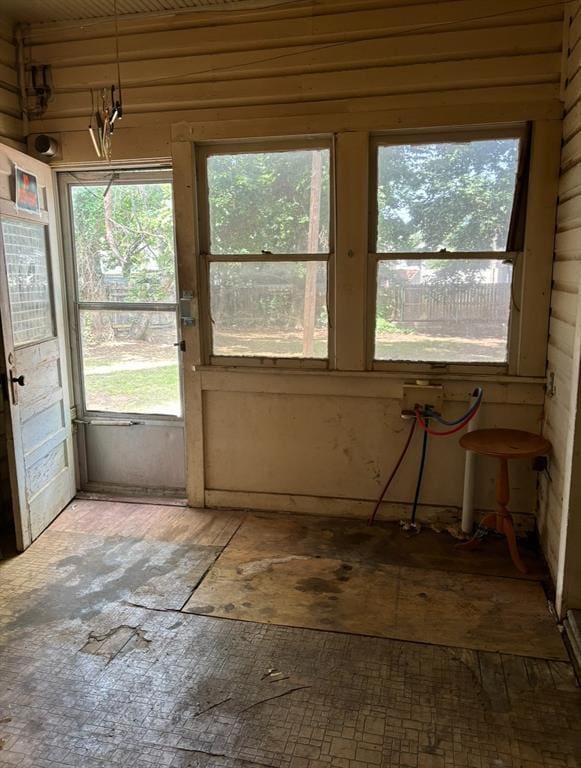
(420, 476)
(477, 393)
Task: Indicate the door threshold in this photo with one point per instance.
(128, 497)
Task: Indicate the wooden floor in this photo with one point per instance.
(299, 571)
(324, 644)
(380, 581)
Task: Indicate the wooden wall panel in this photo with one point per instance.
(560, 515)
(345, 65)
(336, 57)
(344, 446)
(10, 116)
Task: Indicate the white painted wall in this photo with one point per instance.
(315, 441)
(10, 121)
(560, 509)
(456, 61)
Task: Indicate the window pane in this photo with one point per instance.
(29, 288)
(269, 309)
(269, 201)
(443, 310)
(124, 242)
(129, 362)
(445, 195)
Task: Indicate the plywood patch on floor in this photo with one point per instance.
(149, 521)
(283, 572)
(386, 543)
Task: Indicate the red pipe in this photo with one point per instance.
(393, 473)
(431, 431)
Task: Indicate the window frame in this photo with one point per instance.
(126, 176)
(204, 150)
(374, 257)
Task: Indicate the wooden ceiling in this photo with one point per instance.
(41, 11)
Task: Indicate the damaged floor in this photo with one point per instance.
(324, 644)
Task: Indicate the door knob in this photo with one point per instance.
(17, 380)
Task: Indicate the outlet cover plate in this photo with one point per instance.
(423, 394)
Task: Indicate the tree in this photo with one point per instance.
(129, 233)
(431, 196)
(434, 197)
(124, 248)
(269, 202)
(454, 196)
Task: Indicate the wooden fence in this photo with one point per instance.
(443, 303)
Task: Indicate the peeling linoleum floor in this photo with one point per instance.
(106, 660)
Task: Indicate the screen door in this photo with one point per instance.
(119, 236)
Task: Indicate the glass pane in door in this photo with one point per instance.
(124, 242)
(130, 362)
(124, 258)
(29, 288)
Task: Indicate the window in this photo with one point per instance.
(266, 238)
(125, 302)
(443, 271)
(29, 290)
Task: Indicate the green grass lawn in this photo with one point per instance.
(155, 390)
(451, 350)
(149, 390)
(255, 344)
(396, 346)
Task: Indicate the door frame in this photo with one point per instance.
(66, 178)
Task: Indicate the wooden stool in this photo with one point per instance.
(503, 444)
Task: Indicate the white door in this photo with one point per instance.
(40, 448)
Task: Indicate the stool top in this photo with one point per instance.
(505, 443)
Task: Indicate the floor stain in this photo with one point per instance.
(342, 572)
(111, 572)
(255, 567)
(202, 609)
(317, 586)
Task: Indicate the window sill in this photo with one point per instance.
(268, 363)
(413, 368)
(230, 367)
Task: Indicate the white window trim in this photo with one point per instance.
(399, 138)
(201, 152)
(350, 310)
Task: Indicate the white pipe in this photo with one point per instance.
(469, 471)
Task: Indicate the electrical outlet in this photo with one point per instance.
(540, 463)
(423, 393)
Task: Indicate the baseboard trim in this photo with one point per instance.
(135, 494)
(572, 625)
(351, 508)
